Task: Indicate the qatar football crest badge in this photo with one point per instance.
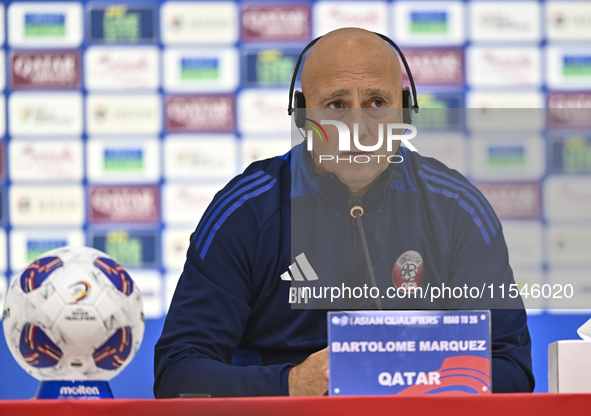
(408, 271)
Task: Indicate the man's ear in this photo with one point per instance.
(299, 109)
(406, 106)
(406, 98)
(299, 101)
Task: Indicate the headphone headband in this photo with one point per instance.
(415, 105)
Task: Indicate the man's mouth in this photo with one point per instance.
(353, 154)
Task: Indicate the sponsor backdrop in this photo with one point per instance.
(120, 121)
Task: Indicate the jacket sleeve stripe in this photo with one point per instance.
(233, 208)
(466, 207)
(222, 199)
(434, 180)
(223, 205)
(469, 187)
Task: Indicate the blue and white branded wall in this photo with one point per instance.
(120, 121)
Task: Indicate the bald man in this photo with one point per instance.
(352, 69)
(231, 330)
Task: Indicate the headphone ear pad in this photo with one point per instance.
(299, 110)
(406, 107)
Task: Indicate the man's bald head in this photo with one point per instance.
(351, 63)
(352, 69)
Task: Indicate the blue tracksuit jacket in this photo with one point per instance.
(231, 303)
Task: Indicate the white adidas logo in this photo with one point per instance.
(306, 273)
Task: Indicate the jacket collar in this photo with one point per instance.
(305, 181)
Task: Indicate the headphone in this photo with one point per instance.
(409, 104)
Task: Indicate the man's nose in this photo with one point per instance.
(354, 116)
(357, 121)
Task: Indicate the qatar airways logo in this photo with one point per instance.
(362, 153)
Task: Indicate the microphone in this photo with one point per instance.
(356, 210)
(355, 207)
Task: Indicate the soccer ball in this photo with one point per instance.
(73, 314)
